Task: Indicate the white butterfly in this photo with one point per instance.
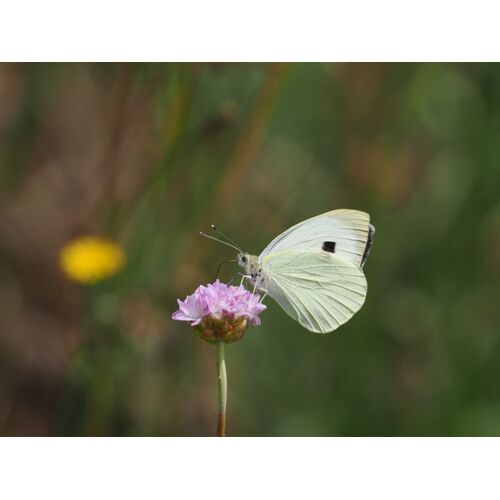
(314, 269)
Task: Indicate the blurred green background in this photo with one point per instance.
(150, 154)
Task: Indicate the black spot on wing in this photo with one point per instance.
(329, 246)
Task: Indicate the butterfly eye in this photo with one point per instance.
(243, 259)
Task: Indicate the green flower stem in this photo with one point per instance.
(221, 370)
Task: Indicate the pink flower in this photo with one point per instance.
(220, 311)
(220, 301)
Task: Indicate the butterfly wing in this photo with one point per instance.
(318, 289)
(346, 233)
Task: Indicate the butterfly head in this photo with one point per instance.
(250, 263)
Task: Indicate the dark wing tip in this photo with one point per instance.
(369, 243)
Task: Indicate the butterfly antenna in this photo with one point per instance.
(227, 238)
(220, 241)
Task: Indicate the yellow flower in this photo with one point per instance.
(90, 259)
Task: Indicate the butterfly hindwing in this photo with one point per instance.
(319, 289)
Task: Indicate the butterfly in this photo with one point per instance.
(314, 270)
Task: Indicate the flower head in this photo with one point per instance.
(90, 259)
(220, 312)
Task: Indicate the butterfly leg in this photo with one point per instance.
(248, 277)
(243, 277)
(234, 276)
(265, 294)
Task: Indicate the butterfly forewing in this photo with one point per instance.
(341, 232)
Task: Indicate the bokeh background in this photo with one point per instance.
(150, 154)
